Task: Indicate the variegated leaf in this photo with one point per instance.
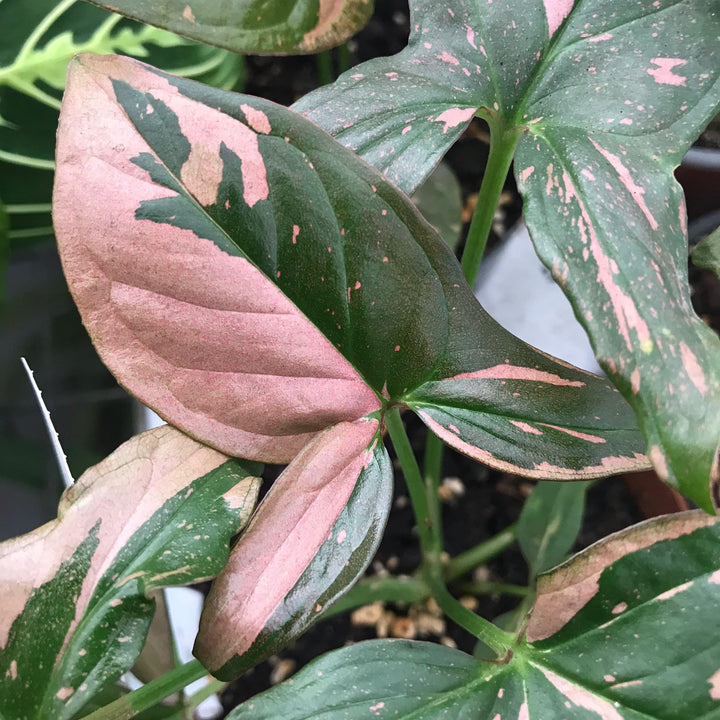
(312, 537)
(633, 636)
(254, 316)
(281, 27)
(159, 511)
(609, 95)
(516, 409)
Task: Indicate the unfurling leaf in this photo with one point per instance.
(312, 537)
(549, 523)
(707, 253)
(608, 95)
(159, 511)
(632, 636)
(280, 27)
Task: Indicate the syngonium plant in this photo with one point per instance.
(274, 296)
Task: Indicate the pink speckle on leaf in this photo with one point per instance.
(525, 427)
(454, 117)
(295, 233)
(406, 129)
(626, 121)
(636, 191)
(470, 35)
(446, 57)
(256, 119)
(397, 348)
(663, 74)
(526, 173)
(693, 369)
(341, 537)
(601, 38)
(619, 608)
(714, 681)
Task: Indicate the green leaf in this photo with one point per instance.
(640, 642)
(159, 511)
(313, 315)
(4, 249)
(609, 96)
(707, 253)
(37, 40)
(282, 27)
(439, 199)
(549, 523)
(310, 540)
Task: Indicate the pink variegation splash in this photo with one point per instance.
(282, 539)
(453, 117)
(556, 12)
(517, 372)
(663, 72)
(582, 698)
(636, 191)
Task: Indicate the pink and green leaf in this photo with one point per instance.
(159, 511)
(639, 642)
(514, 408)
(311, 538)
(253, 316)
(281, 27)
(610, 95)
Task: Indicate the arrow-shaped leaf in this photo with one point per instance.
(159, 511)
(640, 642)
(282, 27)
(609, 95)
(254, 316)
(312, 537)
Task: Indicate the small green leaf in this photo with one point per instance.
(159, 511)
(311, 538)
(37, 40)
(549, 523)
(439, 199)
(281, 27)
(4, 250)
(633, 636)
(707, 253)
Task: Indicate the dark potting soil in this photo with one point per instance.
(478, 502)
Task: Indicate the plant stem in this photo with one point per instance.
(324, 67)
(431, 544)
(495, 638)
(213, 687)
(493, 588)
(344, 58)
(151, 693)
(387, 589)
(470, 559)
(502, 148)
